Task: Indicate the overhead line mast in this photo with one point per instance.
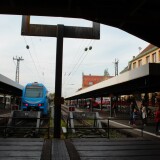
(18, 59)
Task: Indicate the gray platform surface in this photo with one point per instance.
(21, 148)
(59, 150)
(120, 149)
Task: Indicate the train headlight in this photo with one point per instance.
(40, 104)
(25, 104)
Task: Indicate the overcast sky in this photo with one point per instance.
(39, 60)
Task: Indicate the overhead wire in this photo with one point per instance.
(66, 75)
(31, 57)
(75, 58)
(83, 58)
(77, 61)
(37, 58)
(80, 60)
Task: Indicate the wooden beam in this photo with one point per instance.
(51, 30)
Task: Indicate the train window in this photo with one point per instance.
(34, 92)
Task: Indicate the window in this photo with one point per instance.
(147, 59)
(34, 92)
(139, 63)
(90, 83)
(134, 65)
(154, 57)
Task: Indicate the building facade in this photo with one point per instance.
(151, 54)
(89, 80)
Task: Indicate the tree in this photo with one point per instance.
(106, 73)
(51, 98)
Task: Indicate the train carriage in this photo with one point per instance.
(34, 97)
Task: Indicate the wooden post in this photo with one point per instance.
(58, 82)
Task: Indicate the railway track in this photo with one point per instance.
(23, 127)
(79, 127)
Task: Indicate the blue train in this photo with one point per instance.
(34, 97)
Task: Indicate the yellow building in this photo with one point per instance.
(151, 54)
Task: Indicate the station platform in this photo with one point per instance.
(141, 148)
(117, 149)
(21, 148)
(79, 149)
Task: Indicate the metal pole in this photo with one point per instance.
(17, 67)
(58, 82)
(101, 103)
(108, 128)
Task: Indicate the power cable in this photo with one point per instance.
(37, 57)
(27, 46)
(80, 60)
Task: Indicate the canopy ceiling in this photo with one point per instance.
(137, 17)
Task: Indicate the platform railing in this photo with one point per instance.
(109, 125)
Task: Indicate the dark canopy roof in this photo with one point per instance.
(137, 17)
(10, 87)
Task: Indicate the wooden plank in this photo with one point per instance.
(121, 158)
(115, 143)
(21, 143)
(21, 148)
(107, 140)
(20, 158)
(112, 148)
(21, 139)
(20, 154)
(139, 149)
(122, 153)
(51, 30)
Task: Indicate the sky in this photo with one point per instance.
(38, 64)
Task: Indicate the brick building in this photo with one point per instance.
(89, 80)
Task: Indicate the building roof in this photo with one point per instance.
(124, 70)
(147, 50)
(140, 80)
(8, 86)
(92, 78)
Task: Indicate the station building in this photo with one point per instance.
(151, 54)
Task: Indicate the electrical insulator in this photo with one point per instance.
(90, 47)
(27, 46)
(85, 49)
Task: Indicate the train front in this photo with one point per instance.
(34, 98)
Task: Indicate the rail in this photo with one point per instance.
(5, 127)
(108, 125)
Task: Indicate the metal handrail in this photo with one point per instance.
(108, 124)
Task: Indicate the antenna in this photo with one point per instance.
(116, 67)
(18, 59)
